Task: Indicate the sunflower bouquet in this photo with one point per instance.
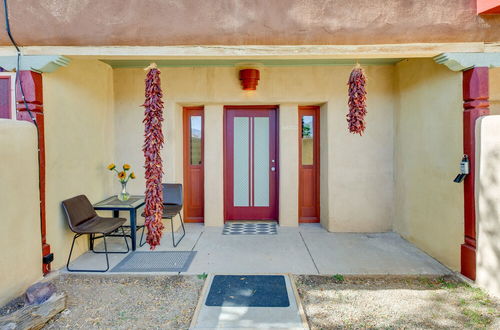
(122, 175)
(123, 178)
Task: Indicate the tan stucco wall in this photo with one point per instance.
(494, 74)
(428, 149)
(361, 168)
(79, 126)
(21, 262)
(488, 203)
(257, 22)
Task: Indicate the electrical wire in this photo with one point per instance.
(33, 118)
(18, 62)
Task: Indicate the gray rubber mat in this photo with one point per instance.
(243, 228)
(157, 261)
(248, 291)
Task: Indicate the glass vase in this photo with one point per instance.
(124, 195)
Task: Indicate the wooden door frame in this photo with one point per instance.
(186, 156)
(316, 159)
(225, 161)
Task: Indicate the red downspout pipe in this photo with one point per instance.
(33, 92)
(475, 95)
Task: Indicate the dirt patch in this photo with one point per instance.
(127, 302)
(335, 302)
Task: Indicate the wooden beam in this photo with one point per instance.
(36, 63)
(465, 61)
(255, 52)
(475, 87)
(34, 316)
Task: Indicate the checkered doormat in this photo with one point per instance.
(157, 261)
(261, 228)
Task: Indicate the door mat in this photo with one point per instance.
(248, 291)
(158, 261)
(263, 228)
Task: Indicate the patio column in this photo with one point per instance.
(33, 92)
(214, 165)
(475, 95)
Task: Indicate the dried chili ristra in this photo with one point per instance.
(357, 101)
(153, 143)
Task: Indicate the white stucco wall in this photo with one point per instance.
(428, 149)
(79, 125)
(488, 203)
(21, 262)
(359, 191)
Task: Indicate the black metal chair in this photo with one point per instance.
(172, 206)
(83, 220)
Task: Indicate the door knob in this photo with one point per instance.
(273, 168)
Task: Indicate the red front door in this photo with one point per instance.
(309, 164)
(193, 164)
(251, 163)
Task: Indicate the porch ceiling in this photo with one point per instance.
(233, 62)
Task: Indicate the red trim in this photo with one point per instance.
(33, 91)
(488, 7)
(193, 174)
(309, 175)
(475, 95)
(250, 213)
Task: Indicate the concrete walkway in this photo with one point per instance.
(307, 249)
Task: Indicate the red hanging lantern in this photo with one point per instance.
(153, 143)
(357, 101)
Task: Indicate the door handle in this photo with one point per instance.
(273, 169)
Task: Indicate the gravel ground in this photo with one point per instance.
(335, 302)
(127, 302)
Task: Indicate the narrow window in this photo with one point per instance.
(307, 140)
(195, 142)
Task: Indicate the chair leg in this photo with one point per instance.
(125, 238)
(141, 243)
(172, 227)
(87, 270)
(71, 251)
(114, 252)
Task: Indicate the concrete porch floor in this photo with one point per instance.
(307, 249)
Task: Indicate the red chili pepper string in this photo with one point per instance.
(153, 143)
(357, 101)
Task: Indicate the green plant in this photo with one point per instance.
(202, 276)
(338, 278)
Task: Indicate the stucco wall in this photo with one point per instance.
(238, 22)
(428, 149)
(488, 203)
(494, 74)
(21, 262)
(360, 168)
(79, 122)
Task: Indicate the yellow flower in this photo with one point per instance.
(132, 175)
(121, 175)
(126, 167)
(111, 166)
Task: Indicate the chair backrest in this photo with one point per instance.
(172, 193)
(78, 210)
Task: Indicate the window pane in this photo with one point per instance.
(261, 161)
(195, 143)
(307, 140)
(241, 161)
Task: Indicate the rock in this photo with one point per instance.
(39, 292)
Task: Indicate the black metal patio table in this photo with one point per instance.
(132, 205)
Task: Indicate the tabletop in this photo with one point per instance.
(113, 203)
